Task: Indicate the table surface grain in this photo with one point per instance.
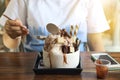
(19, 66)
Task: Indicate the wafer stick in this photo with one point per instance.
(76, 30)
(71, 30)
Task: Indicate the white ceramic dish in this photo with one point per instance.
(57, 60)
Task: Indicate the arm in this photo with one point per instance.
(95, 42)
(15, 10)
(97, 24)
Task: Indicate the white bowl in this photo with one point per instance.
(57, 60)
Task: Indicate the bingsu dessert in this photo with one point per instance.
(61, 48)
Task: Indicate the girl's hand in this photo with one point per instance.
(15, 28)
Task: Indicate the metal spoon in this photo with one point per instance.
(35, 37)
(52, 28)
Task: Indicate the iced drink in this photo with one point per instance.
(102, 68)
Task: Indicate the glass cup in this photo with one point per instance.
(102, 68)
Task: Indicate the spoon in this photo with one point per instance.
(26, 31)
(52, 28)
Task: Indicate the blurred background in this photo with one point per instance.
(111, 37)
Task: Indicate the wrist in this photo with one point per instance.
(11, 43)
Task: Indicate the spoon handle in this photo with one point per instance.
(7, 17)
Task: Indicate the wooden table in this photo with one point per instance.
(19, 66)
